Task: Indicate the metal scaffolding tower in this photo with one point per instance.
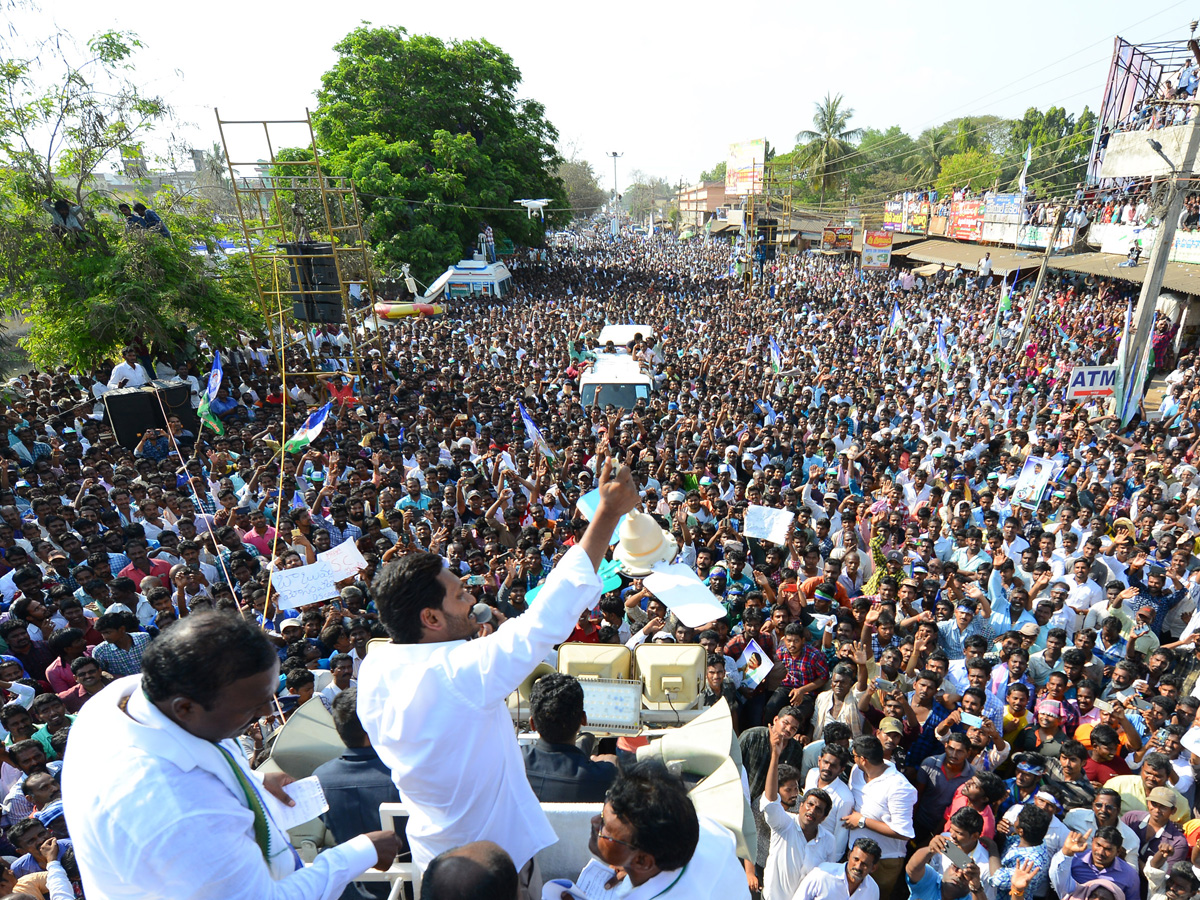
(290, 202)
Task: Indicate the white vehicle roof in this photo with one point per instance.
(472, 271)
(614, 369)
(621, 335)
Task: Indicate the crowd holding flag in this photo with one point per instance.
(535, 434)
(943, 354)
(776, 356)
(207, 416)
(310, 431)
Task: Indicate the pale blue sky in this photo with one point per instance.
(668, 84)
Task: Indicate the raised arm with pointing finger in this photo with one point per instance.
(433, 701)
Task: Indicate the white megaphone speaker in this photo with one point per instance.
(722, 797)
(306, 740)
(707, 748)
(519, 698)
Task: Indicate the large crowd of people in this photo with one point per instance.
(973, 688)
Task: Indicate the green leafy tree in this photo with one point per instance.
(975, 168)
(1061, 144)
(933, 145)
(716, 173)
(584, 193)
(437, 141)
(66, 112)
(829, 142)
(647, 194)
(878, 165)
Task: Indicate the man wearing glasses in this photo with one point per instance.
(1105, 812)
(650, 829)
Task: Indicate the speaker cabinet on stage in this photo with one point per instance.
(132, 410)
(316, 290)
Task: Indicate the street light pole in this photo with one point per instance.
(615, 156)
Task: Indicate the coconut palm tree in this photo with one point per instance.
(932, 147)
(829, 142)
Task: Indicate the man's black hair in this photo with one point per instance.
(968, 819)
(201, 655)
(403, 590)
(869, 748)
(345, 719)
(658, 811)
(556, 707)
(1034, 822)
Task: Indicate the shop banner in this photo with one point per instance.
(893, 215)
(877, 250)
(966, 220)
(1039, 236)
(838, 237)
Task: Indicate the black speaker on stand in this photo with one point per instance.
(316, 290)
(132, 410)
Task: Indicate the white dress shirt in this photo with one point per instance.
(136, 375)
(182, 828)
(437, 716)
(713, 873)
(843, 805)
(792, 855)
(889, 798)
(828, 882)
(1084, 820)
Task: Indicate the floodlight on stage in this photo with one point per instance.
(612, 705)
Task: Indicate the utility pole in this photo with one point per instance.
(615, 223)
(1160, 253)
(1037, 287)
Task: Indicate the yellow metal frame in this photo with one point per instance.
(775, 200)
(266, 223)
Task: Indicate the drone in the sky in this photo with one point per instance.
(532, 206)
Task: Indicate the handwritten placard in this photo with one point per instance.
(305, 584)
(344, 559)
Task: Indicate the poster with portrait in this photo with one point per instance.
(754, 664)
(1032, 482)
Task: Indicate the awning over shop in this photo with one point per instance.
(1004, 259)
(1182, 277)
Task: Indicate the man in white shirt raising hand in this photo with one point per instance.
(433, 700)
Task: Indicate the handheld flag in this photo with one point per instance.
(1123, 362)
(1025, 168)
(535, 434)
(776, 356)
(896, 321)
(310, 431)
(207, 416)
(943, 354)
(215, 376)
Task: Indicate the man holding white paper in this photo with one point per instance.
(433, 701)
(203, 681)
